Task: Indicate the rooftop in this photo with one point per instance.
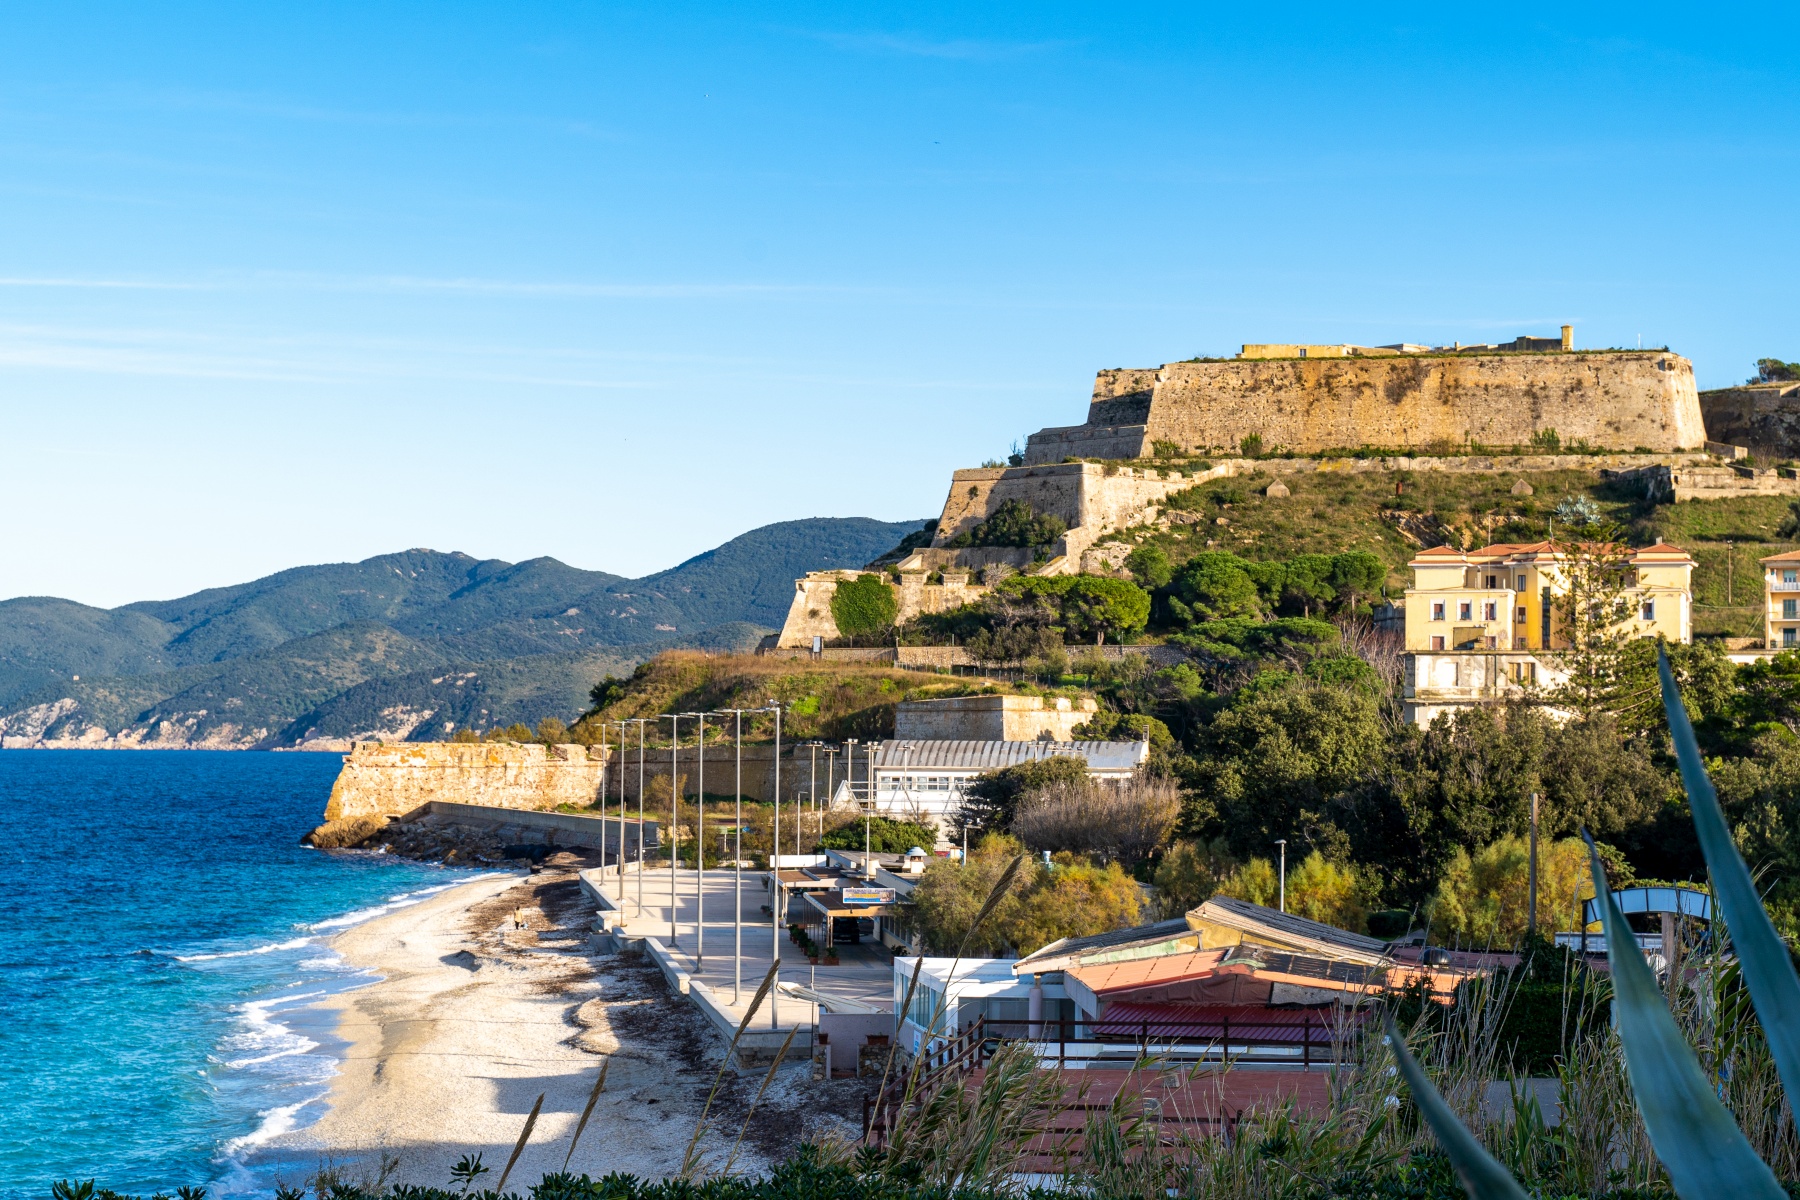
(993, 756)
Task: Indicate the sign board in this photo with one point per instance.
(867, 896)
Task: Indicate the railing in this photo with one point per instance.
(943, 1058)
(1782, 585)
(1311, 1041)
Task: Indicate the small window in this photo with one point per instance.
(1525, 674)
(1437, 643)
(1518, 643)
(1649, 610)
(1788, 608)
(1790, 636)
(1490, 611)
(1790, 577)
(1519, 582)
(1465, 611)
(1437, 613)
(1520, 619)
(1493, 581)
(1491, 642)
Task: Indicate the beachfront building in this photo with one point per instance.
(1781, 600)
(923, 779)
(1485, 625)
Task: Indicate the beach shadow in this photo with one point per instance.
(462, 958)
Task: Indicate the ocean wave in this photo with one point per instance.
(394, 903)
(275, 1122)
(290, 944)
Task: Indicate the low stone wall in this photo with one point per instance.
(379, 780)
(547, 828)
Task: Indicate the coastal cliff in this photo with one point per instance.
(389, 781)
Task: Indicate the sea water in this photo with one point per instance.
(162, 945)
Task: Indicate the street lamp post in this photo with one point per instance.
(700, 854)
(775, 878)
(674, 813)
(737, 878)
(641, 722)
(622, 732)
(1282, 885)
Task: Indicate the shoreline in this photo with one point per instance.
(470, 1020)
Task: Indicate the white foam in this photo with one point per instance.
(290, 944)
(395, 902)
(275, 1122)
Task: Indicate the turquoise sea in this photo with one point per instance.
(161, 941)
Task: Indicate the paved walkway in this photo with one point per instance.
(864, 974)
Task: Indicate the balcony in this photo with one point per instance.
(1780, 585)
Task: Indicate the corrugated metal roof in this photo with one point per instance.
(1243, 915)
(1066, 947)
(994, 756)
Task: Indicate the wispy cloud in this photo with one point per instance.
(911, 45)
(474, 286)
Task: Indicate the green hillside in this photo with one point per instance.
(242, 664)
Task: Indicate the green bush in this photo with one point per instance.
(886, 836)
(1014, 523)
(863, 607)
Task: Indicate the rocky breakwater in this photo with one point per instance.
(381, 782)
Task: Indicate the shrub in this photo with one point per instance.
(886, 835)
(1125, 822)
(1013, 523)
(864, 607)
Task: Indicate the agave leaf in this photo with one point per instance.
(1482, 1177)
(1767, 969)
(1695, 1137)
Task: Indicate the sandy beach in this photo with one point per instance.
(472, 1019)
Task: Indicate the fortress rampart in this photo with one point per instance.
(381, 780)
(1612, 399)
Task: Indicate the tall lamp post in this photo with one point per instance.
(641, 722)
(737, 878)
(775, 878)
(1282, 842)
(622, 732)
(700, 852)
(674, 814)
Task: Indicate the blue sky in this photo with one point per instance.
(286, 284)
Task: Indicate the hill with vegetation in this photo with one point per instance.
(400, 645)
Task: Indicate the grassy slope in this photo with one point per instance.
(1332, 512)
(825, 699)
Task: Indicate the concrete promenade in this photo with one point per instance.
(864, 974)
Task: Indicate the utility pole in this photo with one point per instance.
(1282, 842)
(1531, 917)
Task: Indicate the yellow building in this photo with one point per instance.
(1484, 625)
(1781, 601)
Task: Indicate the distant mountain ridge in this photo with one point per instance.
(399, 645)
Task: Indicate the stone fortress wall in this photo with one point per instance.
(380, 780)
(1615, 399)
(1764, 417)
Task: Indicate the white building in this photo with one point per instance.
(924, 780)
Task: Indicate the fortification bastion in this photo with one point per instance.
(1612, 399)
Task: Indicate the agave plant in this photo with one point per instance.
(1694, 1135)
